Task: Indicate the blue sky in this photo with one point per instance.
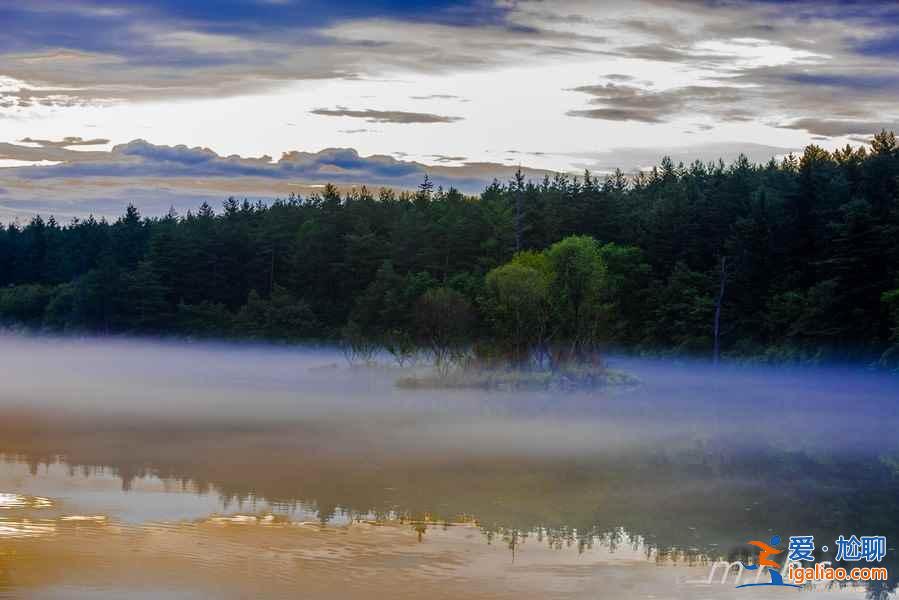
(467, 89)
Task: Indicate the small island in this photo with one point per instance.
(537, 324)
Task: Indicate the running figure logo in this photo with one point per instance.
(766, 551)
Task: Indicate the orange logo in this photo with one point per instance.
(764, 552)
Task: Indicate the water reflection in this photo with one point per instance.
(249, 558)
(705, 495)
(204, 450)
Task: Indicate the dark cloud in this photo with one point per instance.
(446, 158)
(841, 67)
(66, 142)
(833, 127)
(616, 114)
(88, 181)
(881, 46)
(385, 116)
(436, 97)
(849, 81)
(825, 61)
(832, 94)
(657, 52)
(527, 153)
(619, 102)
(52, 97)
(51, 153)
(95, 25)
(655, 28)
(91, 51)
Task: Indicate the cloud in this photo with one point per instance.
(437, 97)
(632, 158)
(159, 176)
(619, 102)
(616, 114)
(37, 152)
(66, 142)
(64, 53)
(87, 52)
(156, 177)
(672, 66)
(848, 81)
(886, 45)
(833, 127)
(385, 116)
(842, 66)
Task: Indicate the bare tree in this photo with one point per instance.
(443, 319)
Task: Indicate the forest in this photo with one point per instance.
(792, 260)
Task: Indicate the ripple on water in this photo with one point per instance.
(11, 501)
(25, 528)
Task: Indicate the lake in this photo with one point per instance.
(144, 469)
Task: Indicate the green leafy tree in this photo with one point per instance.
(891, 356)
(280, 317)
(811, 242)
(145, 301)
(625, 294)
(206, 319)
(517, 304)
(684, 310)
(576, 299)
(25, 303)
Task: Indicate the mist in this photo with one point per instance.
(106, 383)
(691, 459)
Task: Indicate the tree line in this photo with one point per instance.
(796, 259)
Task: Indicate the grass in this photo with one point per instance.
(512, 379)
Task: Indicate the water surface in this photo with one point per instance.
(146, 469)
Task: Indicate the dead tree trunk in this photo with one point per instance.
(519, 211)
(721, 287)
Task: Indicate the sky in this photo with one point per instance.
(170, 103)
